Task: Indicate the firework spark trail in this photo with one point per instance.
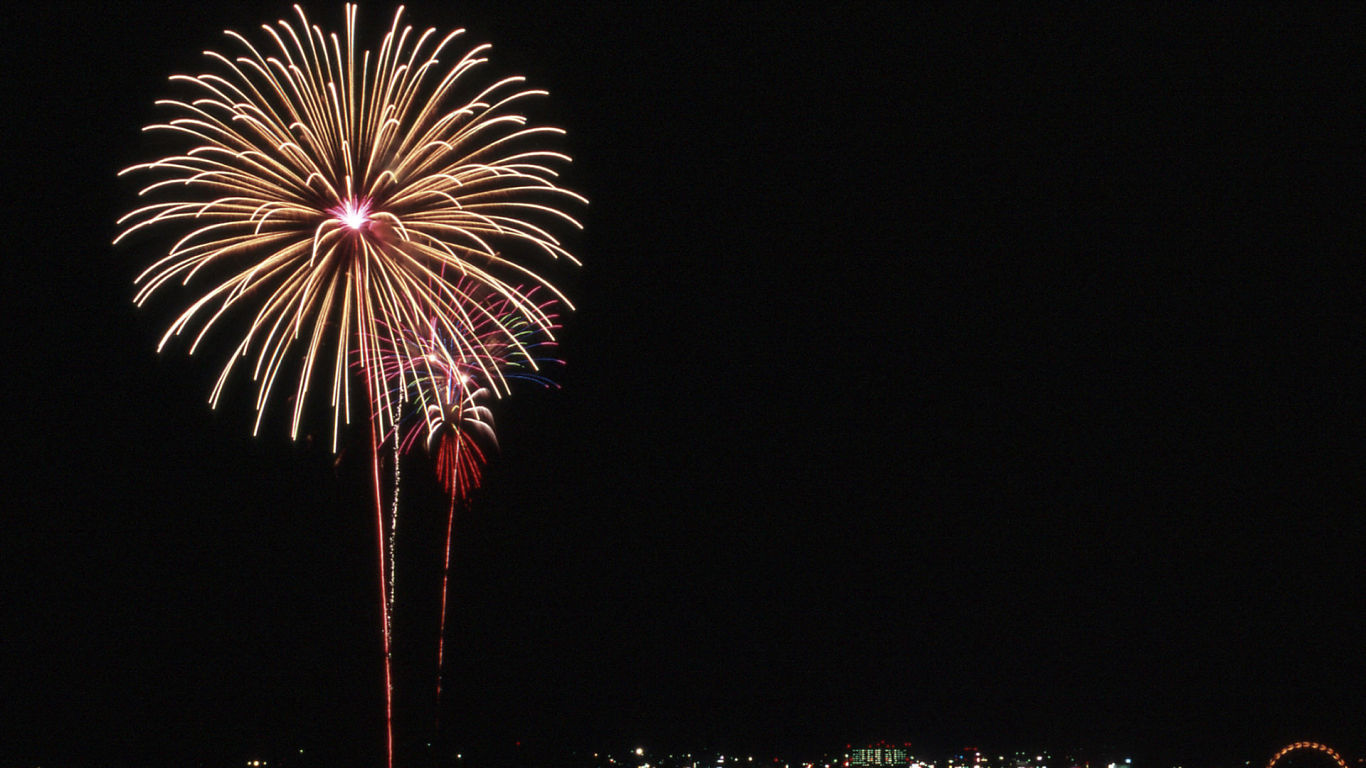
(441, 633)
(454, 421)
(325, 196)
(383, 593)
(449, 414)
(393, 522)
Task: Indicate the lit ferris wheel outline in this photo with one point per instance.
(1314, 745)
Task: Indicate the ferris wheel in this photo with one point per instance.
(1307, 745)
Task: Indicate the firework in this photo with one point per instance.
(380, 206)
(446, 398)
(325, 194)
(446, 390)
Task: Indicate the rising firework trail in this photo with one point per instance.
(323, 196)
(446, 398)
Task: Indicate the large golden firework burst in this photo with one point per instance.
(327, 195)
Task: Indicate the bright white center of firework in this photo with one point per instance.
(352, 213)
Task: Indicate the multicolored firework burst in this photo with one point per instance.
(368, 206)
(445, 390)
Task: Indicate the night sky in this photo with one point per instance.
(959, 375)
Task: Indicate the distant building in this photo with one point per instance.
(880, 755)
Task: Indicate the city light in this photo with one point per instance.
(886, 755)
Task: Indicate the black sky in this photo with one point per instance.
(957, 375)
